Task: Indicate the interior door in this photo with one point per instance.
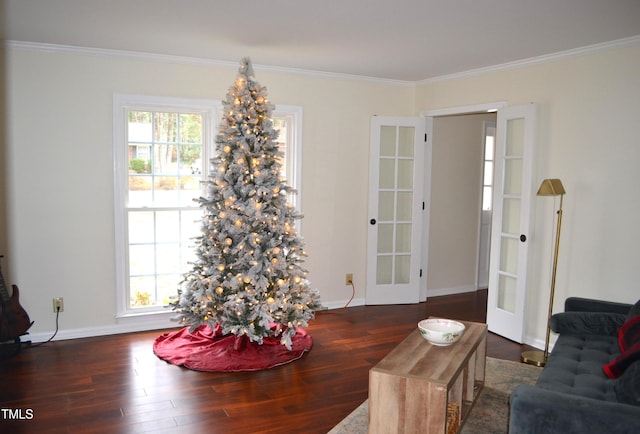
(395, 210)
(515, 143)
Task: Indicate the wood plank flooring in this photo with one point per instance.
(115, 384)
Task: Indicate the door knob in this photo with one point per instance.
(523, 238)
(372, 221)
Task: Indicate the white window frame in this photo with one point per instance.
(212, 112)
(293, 154)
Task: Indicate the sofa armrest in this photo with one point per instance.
(534, 410)
(587, 323)
(579, 304)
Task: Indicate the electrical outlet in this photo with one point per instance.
(58, 304)
(348, 279)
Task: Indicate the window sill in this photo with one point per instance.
(154, 318)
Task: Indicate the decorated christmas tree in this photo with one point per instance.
(248, 279)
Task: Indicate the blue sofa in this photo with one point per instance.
(573, 394)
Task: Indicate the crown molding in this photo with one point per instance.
(534, 60)
(198, 61)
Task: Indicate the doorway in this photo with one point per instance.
(459, 231)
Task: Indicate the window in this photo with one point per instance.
(161, 148)
(489, 149)
(288, 120)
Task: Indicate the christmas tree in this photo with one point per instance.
(248, 279)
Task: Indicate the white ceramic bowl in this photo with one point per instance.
(441, 332)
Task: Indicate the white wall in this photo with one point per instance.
(588, 136)
(60, 172)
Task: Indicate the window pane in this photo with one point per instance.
(142, 289)
(488, 173)
(141, 227)
(486, 198)
(405, 206)
(405, 141)
(140, 191)
(166, 191)
(191, 159)
(387, 141)
(385, 205)
(190, 224)
(489, 147)
(167, 226)
(190, 189)
(513, 177)
(515, 138)
(168, 260)
(384, 270)
(507, 293)
(385, 238)
(141, 259)
(387, 173)
(165, 127)
(403, 238)
(403, 269)
(167, 286)
(139, 129)
(405, 174)
(511, 216)
(139, 158)
(509, 255)
(190, 128)
(165, 159)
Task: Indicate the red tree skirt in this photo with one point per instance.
(209, 350)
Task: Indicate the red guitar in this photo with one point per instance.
(14, 320)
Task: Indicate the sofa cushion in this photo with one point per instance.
(628, 385)
(587, 323)
(575, 366)
(629, 344)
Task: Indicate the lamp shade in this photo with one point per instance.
(551, 187)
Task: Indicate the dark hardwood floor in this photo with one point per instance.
(115, 384)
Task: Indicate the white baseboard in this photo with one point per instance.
(140, 323)
(342, 303)
(162, 321)
(124, 325)
(539, 343)
(450, 291)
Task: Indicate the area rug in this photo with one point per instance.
(209, 350)
(490, 414)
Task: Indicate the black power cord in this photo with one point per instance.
(54, 333)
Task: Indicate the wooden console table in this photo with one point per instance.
(423, 388)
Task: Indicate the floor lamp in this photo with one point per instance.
(549, 187)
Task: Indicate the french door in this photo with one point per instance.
(514, 157)
(395, 210)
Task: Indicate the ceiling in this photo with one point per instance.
(406, 40)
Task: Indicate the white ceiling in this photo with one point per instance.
(405, 40)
